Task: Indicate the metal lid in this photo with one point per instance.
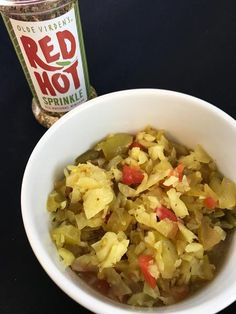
(22, 2)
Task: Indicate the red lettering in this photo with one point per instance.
(31, 50)
(47, 49)
(44, 84)
(66, 83)
(73, 71)
(62, 37)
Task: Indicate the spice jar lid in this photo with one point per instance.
(22, 2)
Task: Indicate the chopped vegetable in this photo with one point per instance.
(96, 200)
(65, 234)
(227, 195)
(177, 204)
(178, 172)
(116, 282)
(210, 203)
(116, 144)
(110, 249)
(66, 256)
(188, 235)
(163, 212)
(201, 155)
(136, 144)
(145, 261)
(131, 175)
(90, 155)
(209, 236)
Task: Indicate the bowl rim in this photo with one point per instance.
(88, 301)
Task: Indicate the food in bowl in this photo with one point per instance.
(136, 217)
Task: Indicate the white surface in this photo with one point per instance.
(187, 119)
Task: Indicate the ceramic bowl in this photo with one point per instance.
(186, 119)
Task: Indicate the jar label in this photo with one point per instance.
(52, 54)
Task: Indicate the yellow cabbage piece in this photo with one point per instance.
(171, 181)
(207, 268)
(190, 162)
(153, 179)
(96, 200)
(164, 252)
(65, 234)
(180, 246)
(188, 235)
(141, 299)
(66, 256)
(153, 202)
(82, 221)
(119, 220)
(201, 155)
(85, 263)
(209, 192)
(209, 236)
(126, 190)
(87, 176)
(156, 152)
(177, 204)
(148, 137)
(75, 195)
(110, 249)
(163, 165)
(166, 227)
(118, 285)
(166, 257)
(227, 197)
(137, 154)
(225, 190)
(53, 203)
(196, 249)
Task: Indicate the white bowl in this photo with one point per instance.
(189, 120)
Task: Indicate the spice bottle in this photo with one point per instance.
(48, 40)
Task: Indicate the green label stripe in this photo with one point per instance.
(63, 63)
(82, 48)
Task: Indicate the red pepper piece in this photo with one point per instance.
(136, 144)
(210, 203)
(132, 175)
(144, 262)
(163, 212)
(178, 172)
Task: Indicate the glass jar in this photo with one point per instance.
(48, 39)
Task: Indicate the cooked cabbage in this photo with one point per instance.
(142, 234)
